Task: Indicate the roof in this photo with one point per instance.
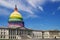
(23, 28)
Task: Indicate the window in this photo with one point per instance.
(9, 37)
(4, 33)
(1, 33)
(1, 36)
(15, 37)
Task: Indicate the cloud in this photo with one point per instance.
(36, 3)
(58, 8)
(4, 12)
(22, 6)
(41, 8)
(33, 16)
(54, 12)
(55, 0)
(6, 4)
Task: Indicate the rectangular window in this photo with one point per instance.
(1, 36)
(4, 33)
(1, 33)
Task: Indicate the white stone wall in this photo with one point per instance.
(59, 35)
(4, 34)
(46, 34)
(37, 34)
(7, 33)
(54, 34)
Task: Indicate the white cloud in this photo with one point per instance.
(40, 8)
(58, 8)
(55, 0)
(35, 3)
(4, 12)
(11, 4)
(54, 12)
(6, 4)
(31, 16)
(21, 6)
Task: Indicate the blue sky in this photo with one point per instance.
(37, 14)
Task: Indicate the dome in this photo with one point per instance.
(15, 19)
(15, 16)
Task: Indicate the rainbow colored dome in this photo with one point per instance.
(15, 19)
(15, 16)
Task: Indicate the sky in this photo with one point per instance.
(37, 14)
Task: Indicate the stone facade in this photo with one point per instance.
(47, 34)
(18, 33)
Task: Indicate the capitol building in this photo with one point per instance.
(16, 29)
